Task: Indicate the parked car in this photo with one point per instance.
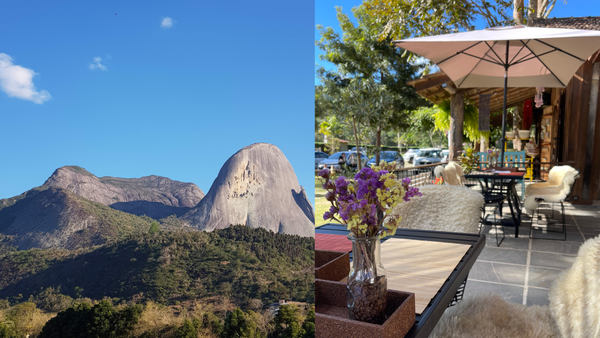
(445, 155)
(428, 156)
(352, 160)
(334, 159)
(410, 155)
(362, 150)
(320, 156)
(388, 156)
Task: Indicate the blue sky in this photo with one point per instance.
(152, 88)
(325, 15)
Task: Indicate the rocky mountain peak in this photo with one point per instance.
(256, 187)
(154, 196)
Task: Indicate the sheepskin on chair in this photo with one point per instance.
(451, 174)
(488, 315)
(575, 295)
(556, 189)
(442, 208)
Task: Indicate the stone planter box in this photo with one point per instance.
(331, 314)
(332, 265)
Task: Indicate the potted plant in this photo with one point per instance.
(364, 205)
(468, 159)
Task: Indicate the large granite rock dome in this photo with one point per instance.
(256, 187)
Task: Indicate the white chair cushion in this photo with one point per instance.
(442, 208)
(488, 315)
(575, 295)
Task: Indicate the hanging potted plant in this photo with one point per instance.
(364, 205)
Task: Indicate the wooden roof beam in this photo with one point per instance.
(423, 84)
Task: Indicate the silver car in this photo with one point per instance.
(333, 160)
(409, 156)
(428, 156)
(319, 156)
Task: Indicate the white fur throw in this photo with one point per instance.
(488, 315)
(451, 174)
(575, 295)
(556, 189)
(442, 208)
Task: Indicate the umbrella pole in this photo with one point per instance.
(503, 140)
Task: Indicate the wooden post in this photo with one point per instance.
(589, 146)
(457, 117)
(483, 144)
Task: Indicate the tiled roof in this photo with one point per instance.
(589, 23)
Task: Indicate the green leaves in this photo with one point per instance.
(470, 124)
(410, 18)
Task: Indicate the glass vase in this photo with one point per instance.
(367, 281)
(492, 161)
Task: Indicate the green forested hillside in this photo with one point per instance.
(241, 263)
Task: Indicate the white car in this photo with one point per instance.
(428, 156)
(445, 155)
(409, 156)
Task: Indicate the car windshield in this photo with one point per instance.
(336, 156)
(429, 153)
(412, 150)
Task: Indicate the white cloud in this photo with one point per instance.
(167, 22)
(97, 64)
(17, 81)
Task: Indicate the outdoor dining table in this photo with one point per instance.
(331, 237)
(512, 196)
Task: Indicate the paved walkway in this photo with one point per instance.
(522, 270)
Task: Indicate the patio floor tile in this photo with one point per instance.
(501, 255)
(542, 277)
(498, 272)
(537, 297)
(550, 260)
(510, 293)
(569, 248)
(521, 243)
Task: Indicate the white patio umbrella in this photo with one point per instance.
(517, 56)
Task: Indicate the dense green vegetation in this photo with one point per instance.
(103, 319)
(248, 266)
(161, 284)
(100, 320)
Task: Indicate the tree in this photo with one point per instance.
(23, 318)
(331, 128)
(287, 322)
(187, 330)
(240, 325)
(153, 228)
(85, 321)
(309, 323)
(410, 18)
(471, 120)
(422, 124)
(370, 78)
